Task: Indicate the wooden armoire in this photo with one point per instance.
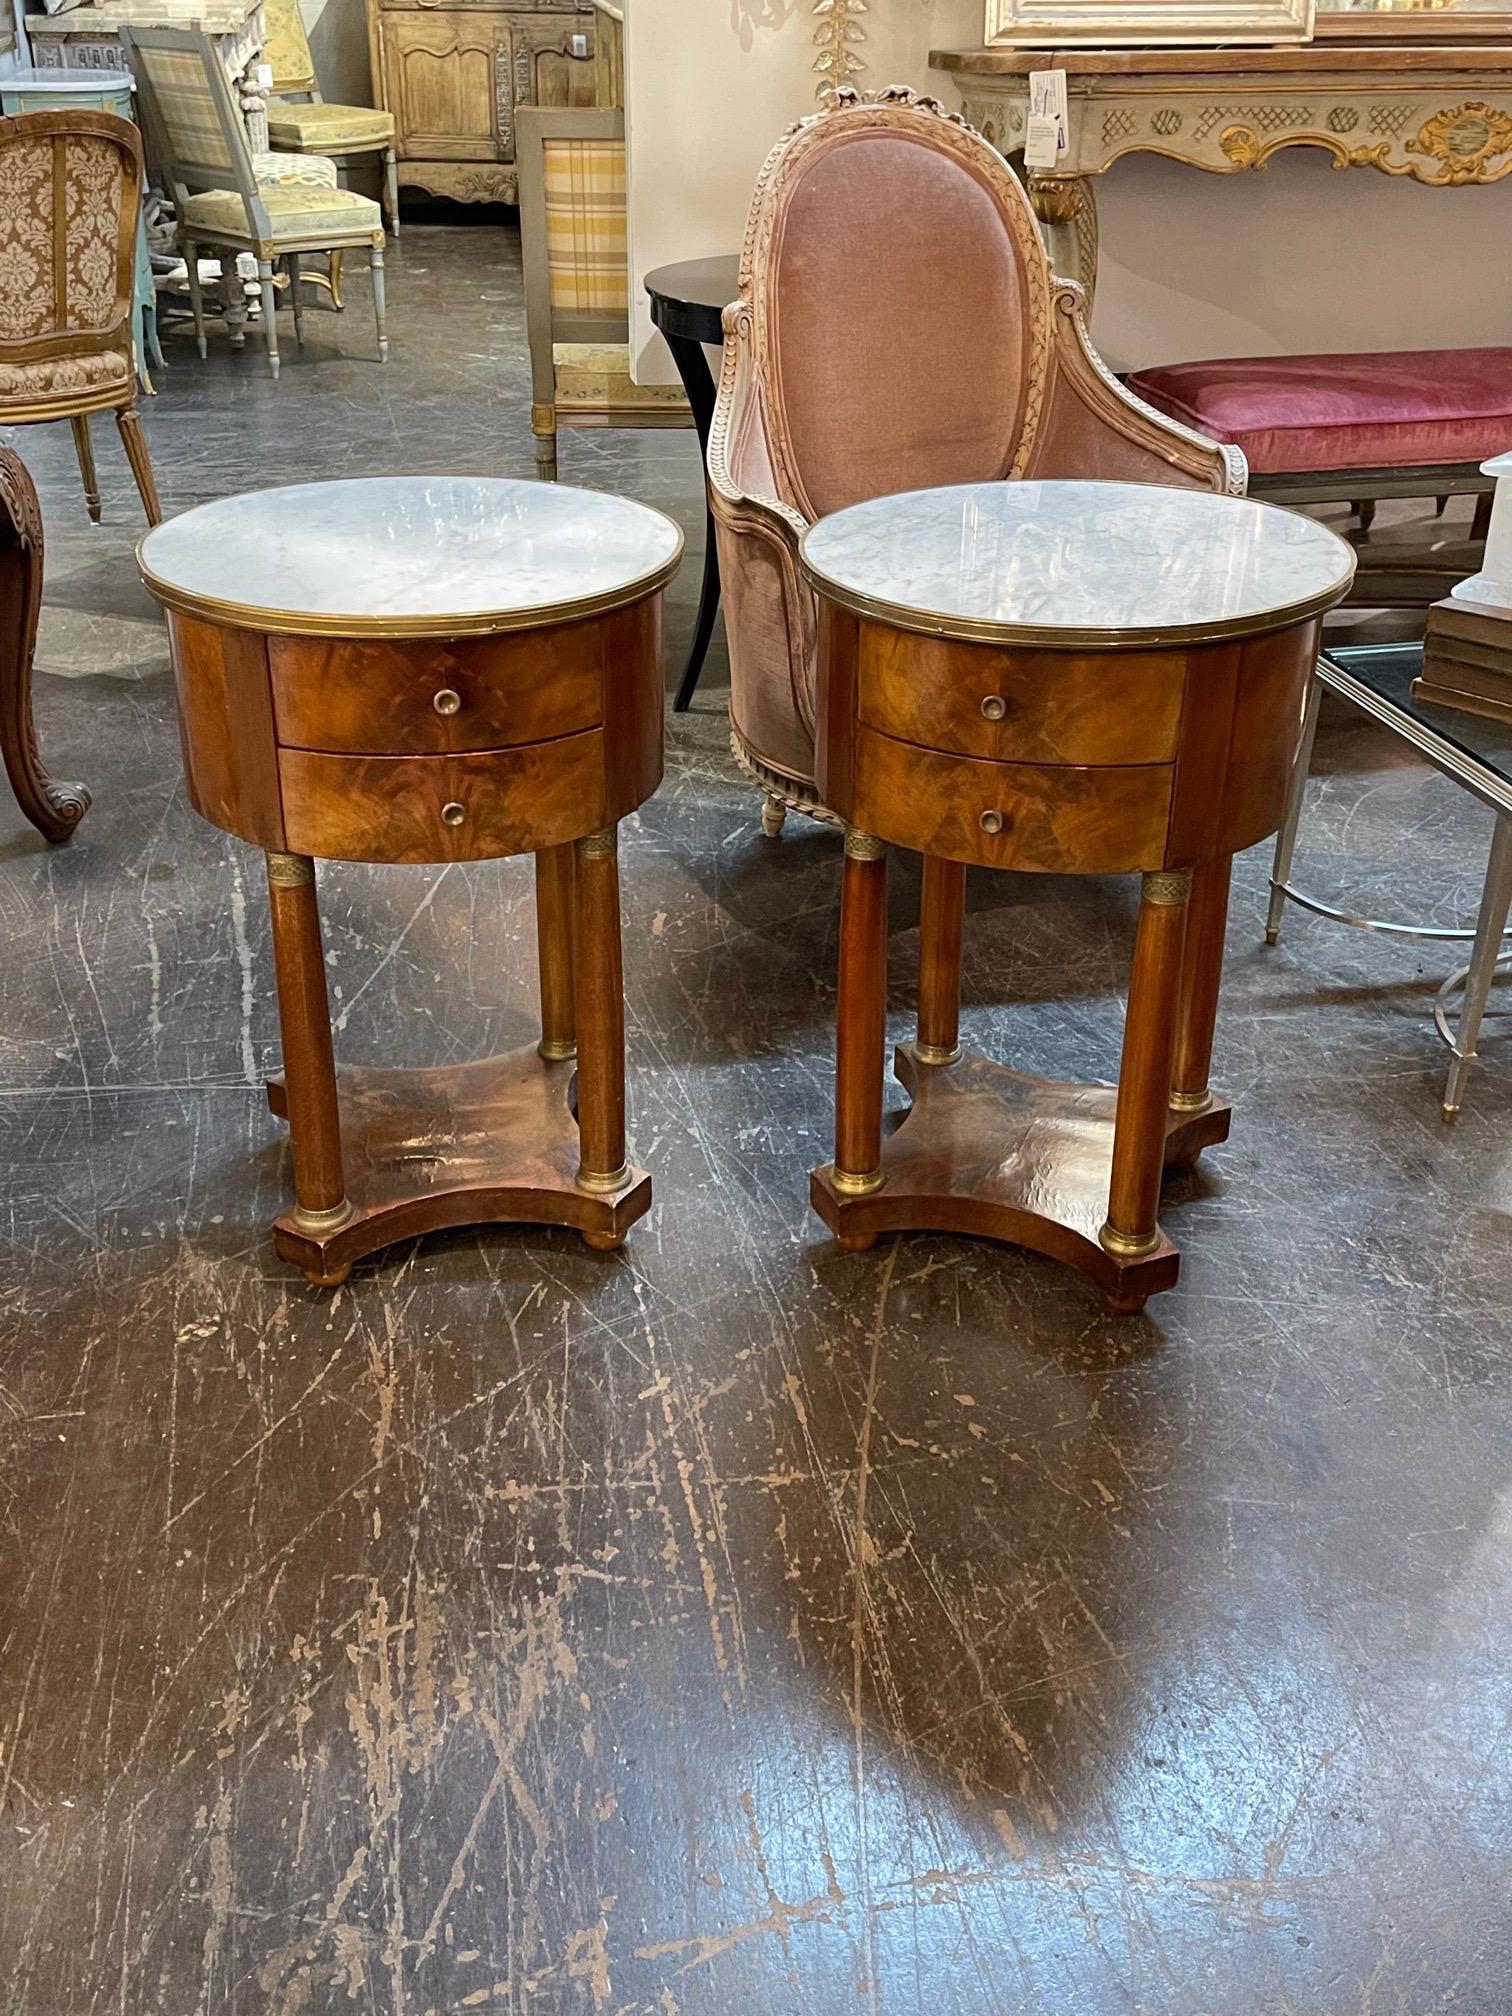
(453, 73)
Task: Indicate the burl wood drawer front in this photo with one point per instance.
(442, 808)
(403, 699)
(1056, 819)
(1021, 706)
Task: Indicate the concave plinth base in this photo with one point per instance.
(994, 1153)
(493, 1142)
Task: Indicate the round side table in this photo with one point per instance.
(1069, 679)
(431, 669)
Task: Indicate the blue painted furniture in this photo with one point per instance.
(109, 91)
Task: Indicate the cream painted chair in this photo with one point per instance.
(223, 199)
(299, 119)
(577, 278)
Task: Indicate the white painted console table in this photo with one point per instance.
(1442, 115)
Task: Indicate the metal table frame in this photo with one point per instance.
(1482, 782)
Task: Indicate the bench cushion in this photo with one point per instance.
(1403, 409)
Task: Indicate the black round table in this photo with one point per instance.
(688, 301)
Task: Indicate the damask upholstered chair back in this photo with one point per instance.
(70, 187)
(898, 327)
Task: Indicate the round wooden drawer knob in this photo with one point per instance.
(453, 814)
(994, 707)
(447, 701)
(991, 822)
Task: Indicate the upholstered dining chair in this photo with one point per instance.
(299, 119)
(222, 197)
(70, 190)
(898, 328)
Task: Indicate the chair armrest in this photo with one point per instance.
(770, 612)
(740, 462)
(1095, 427)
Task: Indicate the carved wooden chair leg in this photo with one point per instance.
(196, 294)
(543, 425)
(773, 813)
(334, 283)
(375, 262)
(269, 297)
(134, 441)
(84, 449)
(54, 809)
(294, 301)
(391, 190)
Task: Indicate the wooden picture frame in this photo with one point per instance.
(1123, 24)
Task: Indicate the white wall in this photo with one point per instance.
(1301, 257)
(710, 85)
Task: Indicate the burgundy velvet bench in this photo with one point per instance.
(1355, 428)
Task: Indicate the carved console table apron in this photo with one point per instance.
(1441, 115)
(1068, 679)
(431, 669)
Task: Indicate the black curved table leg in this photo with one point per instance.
(698, 382)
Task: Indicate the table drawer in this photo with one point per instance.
(400, 699)
(1054, 818)
(1021, 706)
(472, 807)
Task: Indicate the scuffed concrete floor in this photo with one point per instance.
(729, 1624)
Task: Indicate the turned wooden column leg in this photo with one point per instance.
(1201, 979)
(554, 906)
(600, 1020)
(942, 917)
(861, 1016)
(321, 1203)
(1144, 1078)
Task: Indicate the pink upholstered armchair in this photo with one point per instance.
(898, 327)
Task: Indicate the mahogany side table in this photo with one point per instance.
(1069, 679)
(431, 669)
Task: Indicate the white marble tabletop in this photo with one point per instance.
(409, 556)
(1106, 564)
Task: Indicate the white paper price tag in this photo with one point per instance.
(1047, 100)
(1041, 141)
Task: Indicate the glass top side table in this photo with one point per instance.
(1063, 678)
(431, 669)
(1474, 752)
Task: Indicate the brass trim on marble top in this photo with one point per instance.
(1041, 637)
(478, 623)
